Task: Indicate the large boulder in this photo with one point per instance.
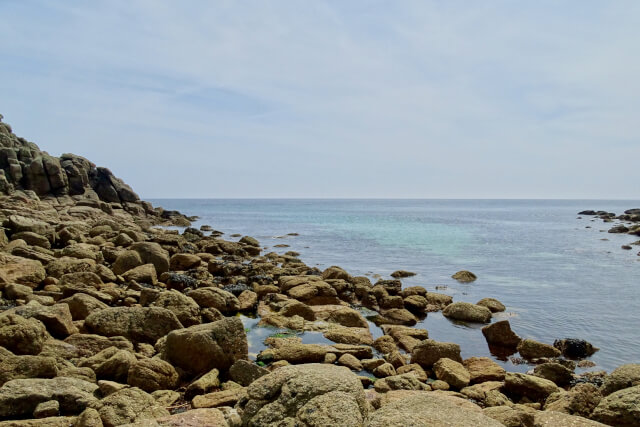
(152, 253)
(143, 324)
(429, 352)
(623, 376)
(529, 386)
(426, 409)
(201, 348)
(621, 408)
(15, 269)
(20, 335)
(467, 312)
(313, 395)
(19, 398)
(129, 405)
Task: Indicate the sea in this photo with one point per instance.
(560, 274)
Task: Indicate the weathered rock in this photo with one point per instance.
(17, 367)
(129, 405)
(555, 372)
(511, 417)
(295, 352)
(350, 362)
(621, 408)
(464, 276)
(87, 345)
(20, 397)
(248, 300)
(384, 370)
(201, 348)
(145, 273)
(574, 348)
(152, 374)
(287, 394)
(622, 377)
(402, 274)
(580, 400)
(341, 315)
(500, 334)
(210, 297)
(245, 372)
(152, 253)
(483, 369)
(20, 335)
(428, 352)
(395, 316)
(532, 387)
(550, 418)
(110, 364)
(126, 261)
(57, 318)
(530, 349)
(205, 384)
(88, 418)
(335, 272)
(14, 269)
(492, 304)
(50, 408)
(400, 382)
(430, 409)
(143, 324)
(219, 398)
(197, 418)
(81, 305)
(467, 312)
(183, 262)
(452, 372)
(15, 291)
(344, 335)
(185, 308)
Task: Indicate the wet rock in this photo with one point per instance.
(618, 229)
(428, 352)
(467, 312)
(464, 276)
(452, 372)
(20, 335)
(129, 405)
(500, 334)
(399, 274)
(483, 369)
(152, 374)
(531, 349)
(201, 348)
(492, 304)
(621, 408)
(430, 409)
(532, 387)
(141, 324)
(290, 393)
(437, 300)
(574, 348)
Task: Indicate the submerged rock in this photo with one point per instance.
(574, 348)
(464, 276)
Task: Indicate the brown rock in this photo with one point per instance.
(500, 334)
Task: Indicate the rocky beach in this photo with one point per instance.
(111, 318)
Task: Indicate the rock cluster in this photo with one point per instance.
(109, 320)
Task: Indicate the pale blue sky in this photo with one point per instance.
(434, 99)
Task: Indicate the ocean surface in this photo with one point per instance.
(558, 275)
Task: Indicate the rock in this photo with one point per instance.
(145, 273)
(50, 408)
(110, 364)
(219, 398)
(14, 269)
(416, 303)
(555, 372)
(129, 405)
(464, 276)
(295, 352)
(550, 418)
(20, 397)
(20, 335)
(344, 316)
(344, 335)
(405, 336)
(201, 348)
(400, 382)
(15, 291)
(17, 367)
(512, 417)
(622, 377)
(196, 418)
(428, 352)
(621, 408)
(483, 369)
(248, 240)
(81, 305)
(126, 261)
(152, 253)
(350, 362)
(152, 374)
(87, 345)
(574, 348)
(384, 370)
(210, 297)
(467, 312)
(618, 229)
(183, 262)
(532, 387)
(402, 274)
(244, 372)
(56, 318)
(395, 316)
(479, 392)
(500, 334)
(141, 324)
(492, 304)
(248, 300)
(287, 395)
(580, 400)
(530, 349)
(88, 418)
(335, 272)
(205, 384)
(185, 308)
(452, 372)
(430, 409)
(32, 239)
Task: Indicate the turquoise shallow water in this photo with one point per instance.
(557, 278)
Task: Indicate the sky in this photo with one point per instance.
(333, 99)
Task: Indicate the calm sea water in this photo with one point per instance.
(557, 277)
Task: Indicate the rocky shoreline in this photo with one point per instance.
(110, 319)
